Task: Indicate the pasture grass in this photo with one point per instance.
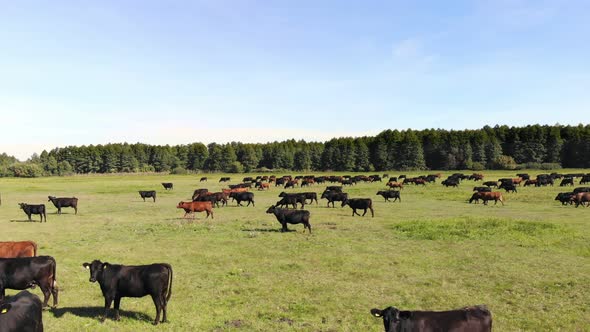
(529, 260)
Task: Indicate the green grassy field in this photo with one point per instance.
(529, 260)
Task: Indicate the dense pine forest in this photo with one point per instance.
(499, 147)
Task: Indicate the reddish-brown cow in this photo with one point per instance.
(18, 249)
(192, 207)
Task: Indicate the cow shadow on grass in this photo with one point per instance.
(97, 312)
(268, 230)
(23, 220)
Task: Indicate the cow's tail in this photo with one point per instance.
(54, 283)
(169, 292)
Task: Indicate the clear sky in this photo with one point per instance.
(175, 72)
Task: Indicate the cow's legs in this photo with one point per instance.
(365, 212)
(117, 305)
(164, 307)
(158, 305)
(46, 293)
(107, 304)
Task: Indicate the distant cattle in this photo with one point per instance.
(243, 197)
(198, 192)
(286, 216)
(21, 313)
(291, 199)
(18, 249)
(192, 207)
(26, 272)
(491, 183)
(31, 209)
(567, 182)
(392, 179)
(214, 198)
(263, 185)
(482, 189)
(509, 187)
(468, 319)
(334, 189)
(147, 194)
(565, 198)
(118, 281)
(487, 196)
(523, 176)
(225, 179)
(61, 202)
(168, 185)
(291, 184)
(476, 177)
(204, 179)
(581, 199)
(582, 190)
(585, 179)
(390, 194)
(530, 182)
(333, 196)
(450, 183)
(394, 185)
(360, 204)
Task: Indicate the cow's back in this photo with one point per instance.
(18, 249)
(25, 314)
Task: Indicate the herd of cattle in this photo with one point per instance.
(22, 269)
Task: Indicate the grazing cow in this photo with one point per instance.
(517, 181)
(469, 319)
(359, 203)
(247, 179)
(291, 184)
(61, 202)
(509, 187)
(192, 207)
(286, 216)
(390, 194)
(482, 189)
(224, 179)
(530, 182)
(582, 190)
(333, 196)
(581, 199)
(565, 198)
(168, 185)
(420, 181)
(375, 178)
(263, 185)
(204, 179)
(544, 182)
(392, 179)
(491, 183)
(567, 182)
(523, 176)
(450, 183)
(243, 196)
(487, 196)
(292, 199)
(334, 189)
(311, 196)
(476, 177)
(18, 249)
(34, 209)
(26, 272)
(21, 313)
(347, 182)
(118, 281)
(199, 192)
(148, 193)
(585, 179)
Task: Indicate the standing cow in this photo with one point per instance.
(25, 272)
(17, 249)
(60, 202)
(31, 209)
(287, 216)
(118, 281)
(21, 313)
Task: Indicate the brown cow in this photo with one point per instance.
(264, 185)
(581, 198)
(395, 185)
(487, 196)
(530, 182)
(517, 181)
(18, 249)
(192, 207)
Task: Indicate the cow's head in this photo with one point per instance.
(282, 194)
(345, 202)
(50, 198)
(271, 209)
(180, 205)
(22, 205)
(392, 317)
(96, 268)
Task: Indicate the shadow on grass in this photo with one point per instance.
(97, 312)
(23, 220)
(269, 230)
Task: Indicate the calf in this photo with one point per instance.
(361, 204)
(60, 202)
(168, 185)
(34, 209)
(18, 249)
(243, 196)
(286, 216)
(332, 197)
(390, 194)
(469, 319)
(192, 207)
(26, 272)
(565, 198)
(22, 312)
(148, 193)
(118, 281)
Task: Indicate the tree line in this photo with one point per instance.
(499, 147)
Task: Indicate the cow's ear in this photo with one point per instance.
(105, 265)
(376, 313)
(5, 308)
(405, 314)
(86, 265)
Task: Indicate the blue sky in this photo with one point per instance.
(174, 72)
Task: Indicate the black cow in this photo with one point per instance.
(470, 319)
(213, 198)
(118, 281)
(565, 198)
(387, 194)
(26, 272)
(34, 209)
(198, 193)
(450, 182)
(286, 216)
(509, 187)
(291, 199)
(482, 189)
(204, 179)
(243, 196)
(311, 196)
(332, 197)
(147, 193)
(585, 179)
(168, 185)
(359, 203)
(523, 176)
(392, 179)
(224, 179)
(491, 183)
(567, 182)
(334, 189)
(61, 202)
(21, 313)
(582, 190)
